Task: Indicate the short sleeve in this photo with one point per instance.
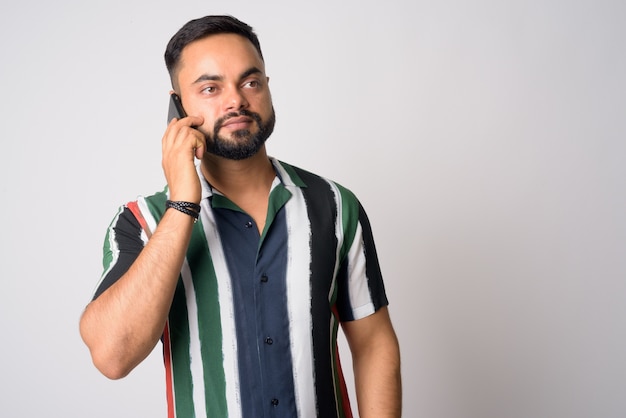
(123, 243)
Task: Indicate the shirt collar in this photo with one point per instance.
(284, 174)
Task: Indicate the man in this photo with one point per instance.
(246, 300)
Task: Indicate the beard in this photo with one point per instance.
(243, 144)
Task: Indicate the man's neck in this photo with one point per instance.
(247, 183)
(237, 178)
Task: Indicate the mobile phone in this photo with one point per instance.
(176, 108)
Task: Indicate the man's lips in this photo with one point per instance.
(239, 122)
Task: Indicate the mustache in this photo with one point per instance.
(253, 115)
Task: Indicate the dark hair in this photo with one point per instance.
(201, 28)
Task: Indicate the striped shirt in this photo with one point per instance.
(252, 330)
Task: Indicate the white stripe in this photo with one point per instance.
(358, 289)
(299, 302)
(360, 298)
(147, 215)
(227, 314)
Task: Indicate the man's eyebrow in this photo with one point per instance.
(212, 77)
(208, 77)
(249, 72)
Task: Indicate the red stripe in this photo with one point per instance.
(342, 386)
(167, 360)
(134, 208)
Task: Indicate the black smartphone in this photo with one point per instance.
(176, 108)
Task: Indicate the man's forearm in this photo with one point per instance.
(378, 382)
(376, 362)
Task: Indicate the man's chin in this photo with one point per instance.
(242, 135)
(239, 148)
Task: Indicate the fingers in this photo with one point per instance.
(200, 150)
(188, 121)
(181, 136)
(181, 143)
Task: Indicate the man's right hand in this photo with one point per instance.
(181, 143)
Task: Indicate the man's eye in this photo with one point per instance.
(209, 89)
(252, 84)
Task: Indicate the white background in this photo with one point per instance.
(486, 140)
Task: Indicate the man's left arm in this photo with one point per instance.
(376, 363)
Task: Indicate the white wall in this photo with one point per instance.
(486, 139)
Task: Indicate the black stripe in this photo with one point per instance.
(128, 238)
(322, 211)
(373, 274)
(372, 267)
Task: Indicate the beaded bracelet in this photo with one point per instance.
(187, 208)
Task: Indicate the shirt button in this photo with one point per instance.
(248, 224)
(274, 402)
(269, 341)
(264, 278)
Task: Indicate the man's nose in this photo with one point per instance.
(235, 100)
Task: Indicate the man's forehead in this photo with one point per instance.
(222, 44)
(215, 51)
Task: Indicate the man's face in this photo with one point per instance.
(222, 78)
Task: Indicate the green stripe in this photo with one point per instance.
(209, 322)
(219, 201)
(293, 175)
(107, 253)
(278, 198)
(349, 219)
